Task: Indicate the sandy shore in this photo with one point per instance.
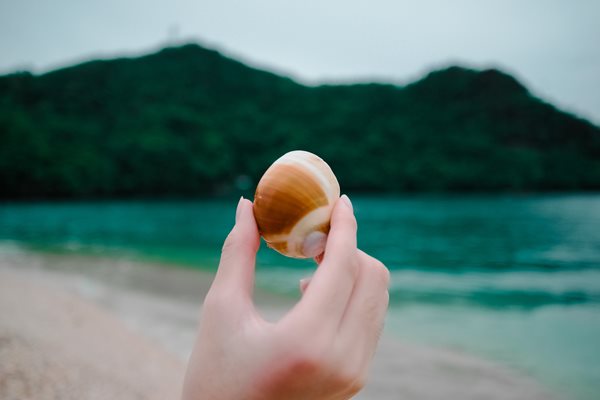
(77, 327)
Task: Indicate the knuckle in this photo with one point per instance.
(306, 363)
(381, 272)
(308, 353)
(315, 361)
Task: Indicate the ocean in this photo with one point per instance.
(511, 278)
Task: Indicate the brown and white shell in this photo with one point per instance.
(293, 204)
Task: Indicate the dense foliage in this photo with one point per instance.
(189, 121)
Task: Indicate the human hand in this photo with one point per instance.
(321, 349)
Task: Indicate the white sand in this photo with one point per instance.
(54, 345)
(74, 327)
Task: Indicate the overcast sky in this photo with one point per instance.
(552, 46)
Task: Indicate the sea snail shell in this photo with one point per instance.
(293, 204)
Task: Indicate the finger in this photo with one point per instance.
(331, 286)
(363, 320)
(341, 240)
(236, 268)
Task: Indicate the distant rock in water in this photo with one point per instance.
(187, 121)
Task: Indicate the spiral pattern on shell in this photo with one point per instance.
(293, 204)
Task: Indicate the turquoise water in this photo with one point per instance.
(511, 278)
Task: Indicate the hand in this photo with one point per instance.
(321, 349)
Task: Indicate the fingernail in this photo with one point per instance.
(347, 201)
(239, 209)
(318, 259)
(304, 283)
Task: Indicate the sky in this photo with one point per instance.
(552, 46)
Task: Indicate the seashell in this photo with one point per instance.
(293, 204)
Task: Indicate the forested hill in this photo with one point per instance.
(189, 121)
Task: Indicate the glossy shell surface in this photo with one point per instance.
(293, 204)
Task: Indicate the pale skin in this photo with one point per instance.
(320, 350)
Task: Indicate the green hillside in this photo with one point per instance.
(188, 121)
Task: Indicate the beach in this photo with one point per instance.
(84, 327)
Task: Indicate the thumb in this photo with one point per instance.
(236, 268)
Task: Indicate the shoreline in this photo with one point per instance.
(158, 307)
